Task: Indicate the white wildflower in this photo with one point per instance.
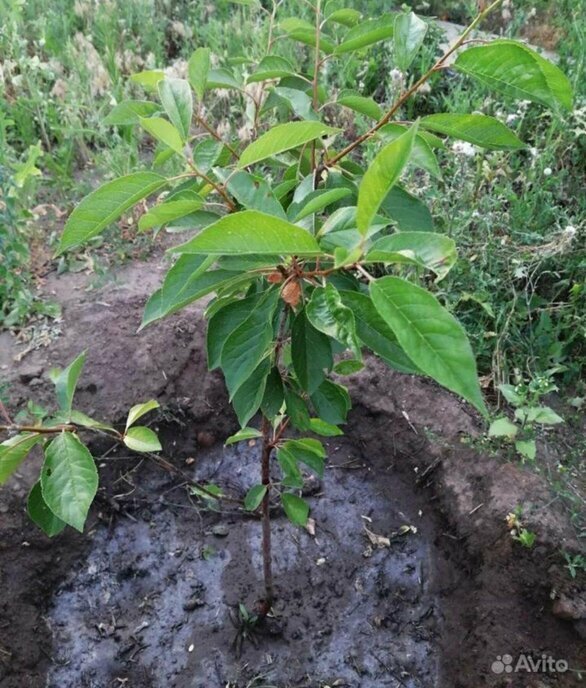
(512, 118)
(464, 149)
(547, 172)
(397, 78)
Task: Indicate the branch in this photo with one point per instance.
(405, 97)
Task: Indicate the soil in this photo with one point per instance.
(143, 599)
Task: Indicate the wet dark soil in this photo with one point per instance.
(142, 600)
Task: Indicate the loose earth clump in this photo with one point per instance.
(406, 580)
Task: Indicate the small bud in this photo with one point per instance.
(291, 293)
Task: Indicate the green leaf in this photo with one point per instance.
(320, 199)
(481, 130)
(410, 214)
(515, 70)
(248, 398)
(164, 132)
(511, 395)
(320, 427)
(175, 94)
(167, 212)
(254, 497)
(346, 16)
(304, 32)
(311, 353)
(410, 32)
(185, 283)
(274, 396)
(538, 414)
(140, 410)
(297, 509)
(349, 366)
(422, 154)
(254, 193)
(223, 322)
(331, 402)
(435, 252)
(148, 79)
(298, 101)
(243, 435)
(309, 451)
(106, 204)
(271, 67)
(384, 171)
(130, 111)
(527, 449)
(210, 153)
(142, 439)
(282, 138)
(365, 34)
(249, 343)
(361, 104)
(14, 451)
(69, 479)
(222, 78)
(40, 513)
(198, 68)
(329, 315)
(435, 340)
(65, 382)
(291, 473)
(502, 427)
(296, 410)
(251, 232)
(374, 332)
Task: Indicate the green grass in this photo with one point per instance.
(520, 289)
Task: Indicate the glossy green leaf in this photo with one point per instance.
(210, 153)
(106, 204)
(148, 79)
(40, 513)
(249, 344)
(296, 508)
(253, 193)
(130, 111)
(14, 451)
(283, 137)
(538, 414)
(320, 427)
(517, 71)
(320, 199)
(69, 479)
(65, 382)
(410, 214)
(298, 101)
(435, 340)
(410, 33)
(167, 212)
(422, 154)
(175, 95)
(384, 171)
(254, 497)
(140, 410)
(361, 104)
(198, 69)
(311, 353)
(296, 410)
(142, 439)
(271, 67)
(331, 402)
(527, 449)
(502, 427)
(222, 78)
(345, 15)
(248, 398)
(327, 313)
(274, 396)
(365, 34)
(304, 32)
(291, 474)
(243, 435)
(163, 131)
(435, 252)
(223, 322)
(309, 451)
(349, 366)
(481, 130)
(251, 232)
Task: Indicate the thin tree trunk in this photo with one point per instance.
(266, 519)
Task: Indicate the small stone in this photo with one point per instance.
(29, 373)
(570, 609)
(220, 530)
(206, 439)
(193, 603)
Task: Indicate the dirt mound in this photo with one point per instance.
(157, 574)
